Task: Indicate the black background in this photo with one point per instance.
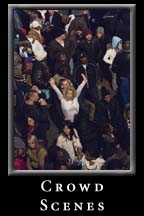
(22, 194)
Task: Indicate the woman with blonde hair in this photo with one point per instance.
(69, 99)
(36, 154)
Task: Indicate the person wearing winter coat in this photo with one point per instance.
(90, 71)
(110, 56)
(36, 154)
(121, 67)
(40, 70)
(109, 111)
(69, 141)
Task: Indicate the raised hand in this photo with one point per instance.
(51, 81)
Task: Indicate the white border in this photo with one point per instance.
(132, 170)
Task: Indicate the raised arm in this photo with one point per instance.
(81, 86)
(55, 88)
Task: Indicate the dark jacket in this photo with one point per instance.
(109, 113)
(91, 74)
(121, 64)
(56, 20)
(40, 74)
(91, 49)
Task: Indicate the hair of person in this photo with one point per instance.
(70, 126)
(71, 88)
(60, 162)
(33, 138)
(29, 94)
(92, 150)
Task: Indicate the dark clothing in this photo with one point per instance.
(40, 74)
(90, 48)
(121, 64)
(90, 90)
(109, 113)
(40, 113)
(56, 19)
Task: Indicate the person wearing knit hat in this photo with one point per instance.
(88, 35)
(100, 30)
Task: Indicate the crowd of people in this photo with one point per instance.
(71, 69)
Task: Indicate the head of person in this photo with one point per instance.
(36, 25)
(126, 46)
(88, 34)
(69, 93)
(32, 96)
(107, 128)
(32, 142)
(65, 19)
(91, 152)
(79, 31)
(19, 148)
(67, 129)
(64, 84)
(51, 12)
(35, 88)
(105, 95)
(83, 58)
(61, 57)
(61, 164)
(100, 32)
(117, 43)
(59, 33)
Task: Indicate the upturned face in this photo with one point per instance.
(69, 95)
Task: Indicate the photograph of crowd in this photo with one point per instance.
(71, 89)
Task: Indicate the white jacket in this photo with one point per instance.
(37, 49)
(67, 145)
(109, 56)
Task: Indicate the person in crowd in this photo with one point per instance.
(69, 140)
(89, 70)
(19, 154)
(69, 101)
(101, 41)
(108, 141)
(109, 111)
(87, 45)
(33, 106)
(109, 58)
(36, 31)
(36, 154)
(92, 160)
(56, 154)
(121, 67)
